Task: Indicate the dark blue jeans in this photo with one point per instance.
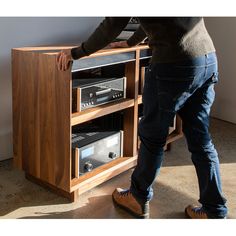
(186, 88)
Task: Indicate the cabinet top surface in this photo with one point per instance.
(52, 50)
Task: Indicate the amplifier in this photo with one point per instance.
(92, 92)
(91, 150)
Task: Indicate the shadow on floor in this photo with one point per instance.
(22, 199)
(101, 207)
(17, 192)
(26, 200)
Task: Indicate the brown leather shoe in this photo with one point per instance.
(126, 200)
(195, 212)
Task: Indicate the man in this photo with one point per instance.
(180, 79)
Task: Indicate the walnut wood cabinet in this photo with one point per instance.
(43, 118)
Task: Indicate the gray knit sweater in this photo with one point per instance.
(170, 38)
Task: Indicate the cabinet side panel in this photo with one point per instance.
(131, 114)
(54, 120)
(16, 108)
(24, 111)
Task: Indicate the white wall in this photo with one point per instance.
(223, 33)
(23, 31)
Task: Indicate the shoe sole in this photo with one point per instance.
(144, 216)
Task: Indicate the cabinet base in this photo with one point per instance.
(72, 197)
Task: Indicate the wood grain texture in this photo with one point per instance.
(55, 127)
(102, 173)
(95, 112)
(76, 100)
(102, 52)
(177, 133)
(41, 118)
(140, 99)
(43, 48)
(110, 51)
(178, 125)
(131, 114)
(24, 124)
(75, 163)
(142, 79)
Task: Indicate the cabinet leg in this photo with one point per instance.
(74, 196)
(167, 147)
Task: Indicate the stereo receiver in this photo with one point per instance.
(92, 92)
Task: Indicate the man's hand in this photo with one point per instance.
(119, 44)
(64, 59)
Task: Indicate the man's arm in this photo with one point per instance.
(138, 36)
(105, 33)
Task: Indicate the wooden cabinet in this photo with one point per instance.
(43, 118)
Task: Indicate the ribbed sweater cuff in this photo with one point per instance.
(131, 42)
(78, 52)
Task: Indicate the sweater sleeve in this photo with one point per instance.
(105, 33)
(138, 36)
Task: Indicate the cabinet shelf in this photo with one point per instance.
(140, 99)
(92, 113)
(102, 173)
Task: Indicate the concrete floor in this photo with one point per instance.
(175, 187)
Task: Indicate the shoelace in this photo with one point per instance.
(125, 193)
(199, 211)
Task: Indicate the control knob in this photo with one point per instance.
(112, 155)
(88, 166)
